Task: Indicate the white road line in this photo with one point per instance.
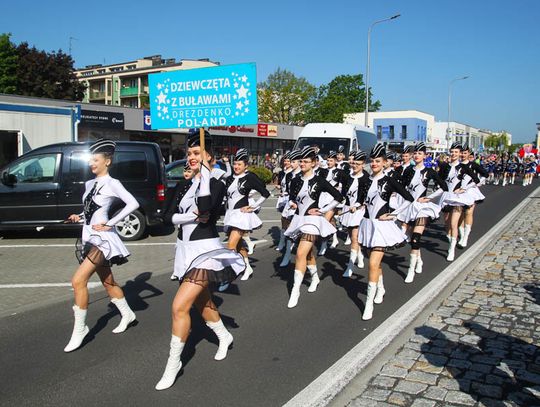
(91, 284)
(331, 382)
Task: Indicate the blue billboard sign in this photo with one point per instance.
(216, 96)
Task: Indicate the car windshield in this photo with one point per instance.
(175, 170)
(325, 144)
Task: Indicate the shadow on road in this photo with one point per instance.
(491, 367)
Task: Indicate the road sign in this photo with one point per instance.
(204, 97)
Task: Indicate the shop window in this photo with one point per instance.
(403, 132)
(392, 134)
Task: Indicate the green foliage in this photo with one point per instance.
(344, 94)
(497, 142)
(514, 147)
(263, 173)
(8, 65)
(283, 98)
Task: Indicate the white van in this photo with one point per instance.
(329, 136)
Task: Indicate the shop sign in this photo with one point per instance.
(147, 120)
(108, 120)
(204, 97)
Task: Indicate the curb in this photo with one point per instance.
(330, 383)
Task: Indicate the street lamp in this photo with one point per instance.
(449, 103)
(367, 68)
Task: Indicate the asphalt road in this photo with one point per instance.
(277, 351)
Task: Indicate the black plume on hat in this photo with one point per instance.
(294, 155)
(409, 149)
(332, 154)
(378, 151)
(308, 152)
(194, 139)
(420, 146)
(103, 145)
(341, 149)
(456, 144)
(360, 155)
(241, 155)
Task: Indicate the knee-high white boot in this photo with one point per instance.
(419, 264)
(412, 268)
(324, 246)
(466, 232)
(352, 260)
(128, 316)
(360, 259)
(281, 244)
(287, 256)
(250, 244)
(248, 271)
(174, 364)
(80, 329)
(461, 234)
(335, 241)
(452, 249)
(380, 291)
(315, 280)
(368, 310)
(295, 292)
(224, 336)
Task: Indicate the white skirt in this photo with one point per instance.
(352, 220)
(310, 224)
(247, 221)
(380, 233)
(452, 199)
(208, 254)
(109, 243)
(476, 194)
(395, 201)
(281, 203)
(419, 210)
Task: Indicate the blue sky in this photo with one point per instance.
(413, 58)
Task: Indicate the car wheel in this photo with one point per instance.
(132, 227)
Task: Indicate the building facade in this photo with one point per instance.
(126, 84)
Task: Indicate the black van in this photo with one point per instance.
(44, 186)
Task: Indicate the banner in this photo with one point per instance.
(106, 120)
(204, 97)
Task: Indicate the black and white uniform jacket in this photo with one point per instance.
(305, 192)
(457, 176)
(343, 165)
(336, 176)
(477, 169)
(377, 199)
(416, 181)
(355, 189)
(239, 187)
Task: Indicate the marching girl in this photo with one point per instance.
(354, 188)
(529, 169)
(287, 213)
(309, 221)
(101, 246)
(201, 262)
(417, 215)
(457, 177)
(335, 177)
(240, 217)
(378, 232)
(283, 179)
(467, 217)
(341, 163)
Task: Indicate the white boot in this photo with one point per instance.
(368, 310)
(295, 291)
(451, 249)
(461, 234)
(360, 260)
(352, 259)
(419, 265)
(248, 271)
(380, 291)
(348, 240)
(466, 232)
(335, 241)
(324, 246)
(315, 280)
(412, 268)
(287, 256)
(449, 237)
(281, 244)
(250, 244)
(174, 364)
(225, 338)
(173, 277)
(80, 329)
(128, 316)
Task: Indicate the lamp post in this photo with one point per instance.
(367, 68)
(449, 104)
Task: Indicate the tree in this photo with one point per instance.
(344, 94)
(497, 142)
(8, 65)
(43, 74)
(283, 98)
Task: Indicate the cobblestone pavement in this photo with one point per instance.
(481, 346)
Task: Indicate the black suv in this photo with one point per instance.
(44, 186)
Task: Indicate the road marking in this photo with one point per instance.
(331, 382)
(90, 284)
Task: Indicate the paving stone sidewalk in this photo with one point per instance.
(481, 346)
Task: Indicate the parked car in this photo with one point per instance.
(174, 172)
(44, 186)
